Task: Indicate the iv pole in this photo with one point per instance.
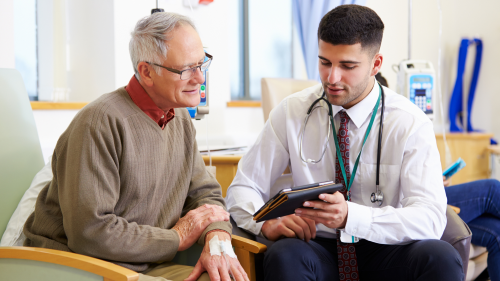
(409, 29)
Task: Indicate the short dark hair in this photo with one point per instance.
(351, 24)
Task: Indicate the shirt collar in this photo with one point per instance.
(359, 112)
(146, 104)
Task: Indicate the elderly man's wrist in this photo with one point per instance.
(216, 230)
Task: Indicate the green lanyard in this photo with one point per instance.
(339, 156)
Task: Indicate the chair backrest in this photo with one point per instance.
(274, 90)
(20, 151)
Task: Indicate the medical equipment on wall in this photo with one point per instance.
(199, 111)
(416, 78)
(416, 82)
(194, 3)
(377, 196)
(157, 10)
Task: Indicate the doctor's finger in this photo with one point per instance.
(317, 204)
(283, 229)
(305, 227)
(297, 229)
(318, 214)
(335, 198)
(312, 227)
(325, 222)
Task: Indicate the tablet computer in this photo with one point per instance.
(287, 200)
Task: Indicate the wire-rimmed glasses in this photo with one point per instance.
(188, 73)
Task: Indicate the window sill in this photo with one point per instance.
(244, 103)
(43, 105)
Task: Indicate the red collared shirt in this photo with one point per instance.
(146, 104)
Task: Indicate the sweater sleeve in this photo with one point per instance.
(204, 189)
(88, 186)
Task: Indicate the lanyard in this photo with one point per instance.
(339, 156)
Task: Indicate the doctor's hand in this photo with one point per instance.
(289, 226)
(331, 211)
(191, 226)
(216, 266)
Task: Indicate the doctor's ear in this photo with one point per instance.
(377, 63)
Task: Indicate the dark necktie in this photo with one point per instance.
(347, 263)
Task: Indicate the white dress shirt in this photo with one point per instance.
(414, 206)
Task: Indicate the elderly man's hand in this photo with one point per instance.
(289, 226)
(331, 211)
(191, 226)
(216, 265)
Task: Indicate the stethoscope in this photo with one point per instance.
(377, 196)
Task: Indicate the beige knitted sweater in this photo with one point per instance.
(120, 184)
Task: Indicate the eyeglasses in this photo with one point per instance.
(188, 73)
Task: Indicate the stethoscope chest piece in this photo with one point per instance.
(377, 197)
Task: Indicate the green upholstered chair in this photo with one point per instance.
(20, 159)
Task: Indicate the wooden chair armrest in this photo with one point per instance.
(248, 245)
(107, 270)
(495, 149)
(456, 209)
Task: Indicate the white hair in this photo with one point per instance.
(148, 42)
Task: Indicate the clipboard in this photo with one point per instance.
(287, 200)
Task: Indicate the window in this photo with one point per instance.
(265, 41)
(25, 44)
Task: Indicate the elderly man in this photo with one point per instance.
(129, 184)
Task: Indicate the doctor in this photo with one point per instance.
(398, 240)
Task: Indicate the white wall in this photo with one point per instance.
(235, 126)
(7, 58)
(460, 18)
(91, 60)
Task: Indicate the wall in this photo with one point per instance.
(235, 126)
(90, 49)
(7, 34)
(460, 18)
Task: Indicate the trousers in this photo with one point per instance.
(295, 259)
(479, 203)
(169, 271)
